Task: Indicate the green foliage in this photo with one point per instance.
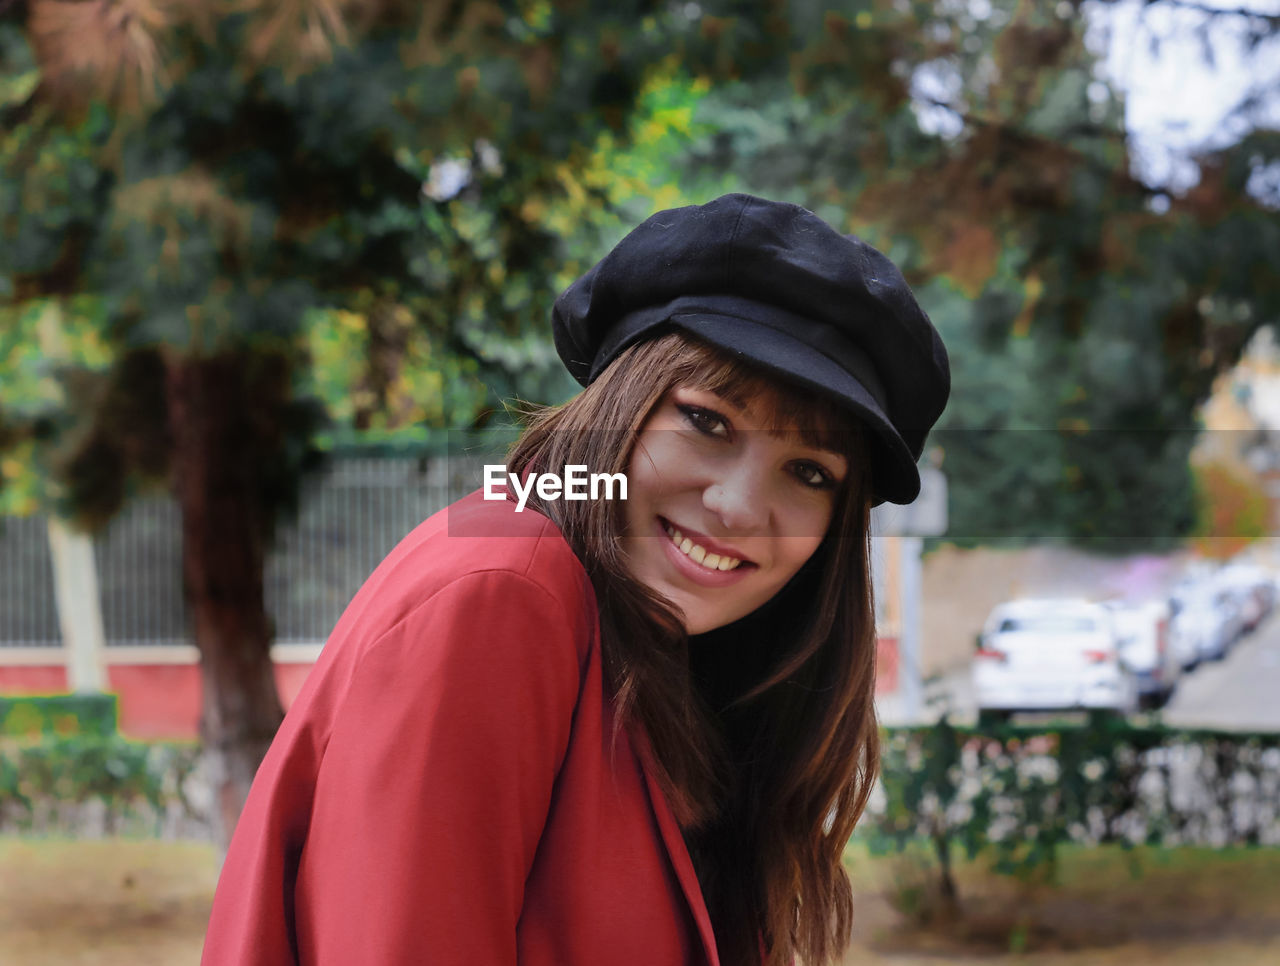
(58, 714)
(268, 189)
(395, 206)
(45, 786)
(51, 188)
(1086, 313)
(1016, 795)
(40, 341)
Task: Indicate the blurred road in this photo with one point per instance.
(1239, 693)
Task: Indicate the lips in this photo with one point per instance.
(696, 572)
(703, 549)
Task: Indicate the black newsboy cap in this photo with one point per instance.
(774, 284)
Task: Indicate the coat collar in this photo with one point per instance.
(677, 851)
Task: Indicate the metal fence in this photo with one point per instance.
(28, 612)
(349, 519)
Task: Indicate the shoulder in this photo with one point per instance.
(475, 535)
(474, 550)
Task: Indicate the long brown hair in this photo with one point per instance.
(767, 777)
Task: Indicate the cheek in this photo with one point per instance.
(794, 552)
(641, 479)
(803, 522)
(655, 466)
(645, 484)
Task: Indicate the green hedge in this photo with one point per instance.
(1014, 794)
(77, 783)
(29, 716)
(1018, 793)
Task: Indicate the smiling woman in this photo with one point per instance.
(711, 488)
(555, 731)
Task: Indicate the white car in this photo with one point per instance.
(1207, 617)
(1252, 588)
(1147, 647)
(1187, 631)
(1050, 655)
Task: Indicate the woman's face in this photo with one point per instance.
(721, 512)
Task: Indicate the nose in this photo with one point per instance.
(738, 497)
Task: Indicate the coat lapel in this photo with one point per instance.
(678, 853)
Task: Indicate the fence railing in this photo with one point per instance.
(28, 612)
(348, 520)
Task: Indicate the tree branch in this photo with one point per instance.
(1013, 130)
(1271, 18)
(1080, 128)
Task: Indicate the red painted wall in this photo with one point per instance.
(162, 701)
(34, 679)
(156, 701)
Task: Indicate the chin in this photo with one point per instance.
(697, 619)
(702, 620)
(694, 628)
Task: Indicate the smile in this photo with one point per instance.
(697, 572)
(698, 553)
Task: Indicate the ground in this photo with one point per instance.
(145, 903)
(1186, 907)
(104, 903)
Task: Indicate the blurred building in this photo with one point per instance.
(1242, 420)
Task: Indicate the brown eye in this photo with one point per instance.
(811, 474)
(706, 421)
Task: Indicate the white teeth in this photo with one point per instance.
(698, 553)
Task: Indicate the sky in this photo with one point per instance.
(1190, 80)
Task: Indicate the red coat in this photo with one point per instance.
(445, 789)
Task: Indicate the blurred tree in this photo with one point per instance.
(249, 188)
(1233, 510)
(1087, 312)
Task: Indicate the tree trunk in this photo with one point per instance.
(215, 417)
(948, 894)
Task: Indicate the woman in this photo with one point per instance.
(620, 731)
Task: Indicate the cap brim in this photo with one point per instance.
(895, 477)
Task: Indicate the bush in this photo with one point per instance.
(75, 784)
(1018, 793)
(61, 714)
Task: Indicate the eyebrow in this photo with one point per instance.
(783, 434)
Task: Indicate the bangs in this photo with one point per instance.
(780, 406)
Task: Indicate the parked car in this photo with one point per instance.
(1208, 616)
(1186, 631)
(1049, 655)
(1251, 588)
(1144, 640)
